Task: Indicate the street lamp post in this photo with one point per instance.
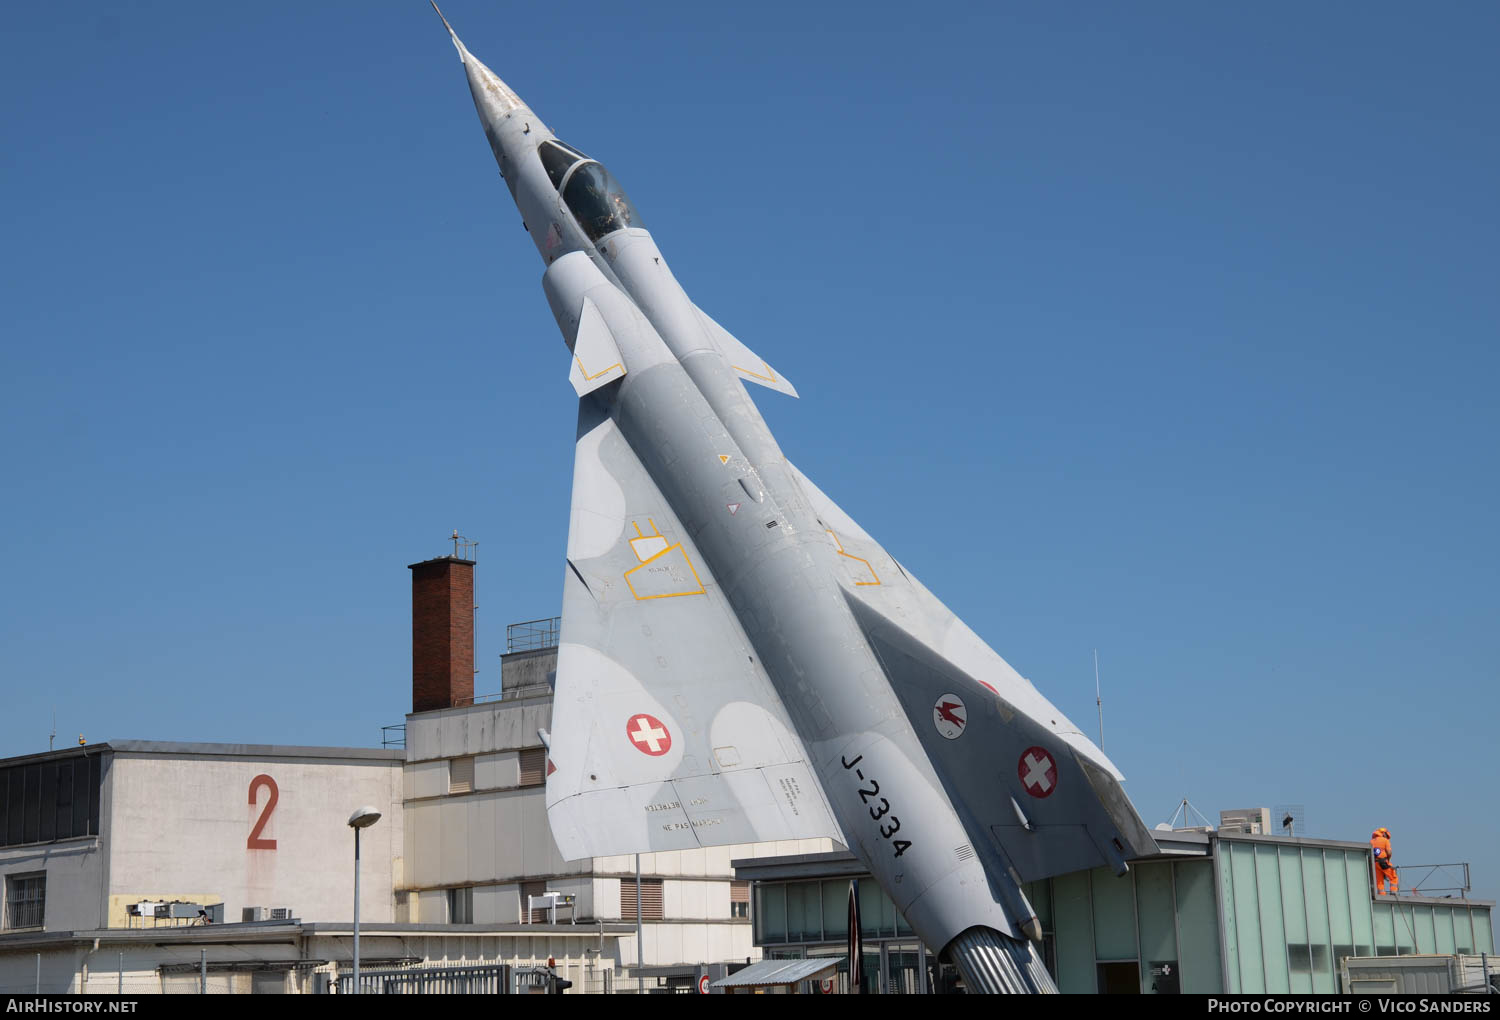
(362, 818)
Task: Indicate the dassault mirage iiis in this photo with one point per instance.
(740, 662)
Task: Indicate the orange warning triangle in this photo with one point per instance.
(723, 458)
(551, 768)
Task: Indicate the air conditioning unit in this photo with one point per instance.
(1249, 821)
(249, 914)
(281, 913)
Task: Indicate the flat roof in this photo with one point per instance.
(843, 864)
(287, 931)
(181, 748)
(207, 750)
(780, 972)
(1249, 837)
(836, 864)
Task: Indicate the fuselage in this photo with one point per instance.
(699, 435)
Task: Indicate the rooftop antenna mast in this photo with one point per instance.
(1187, 811)
(1291, 818)
(1098, 700)
(51, 737)
(464, 549)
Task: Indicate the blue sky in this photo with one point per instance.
(1167, 330)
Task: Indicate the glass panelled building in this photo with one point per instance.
(1209, 914)
(1293, 909)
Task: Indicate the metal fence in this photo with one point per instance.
(1450, 880)
(483, 979)
(514, 694)
(531, 635)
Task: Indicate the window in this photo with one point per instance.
(558, 159)
(50, 800)
(461, 775)
(461, 905)
(598, 202)
(25, 900)
(739, 899)
(651, 899)
(533, 766)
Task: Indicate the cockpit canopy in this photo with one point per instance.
(558, 158)
(591, 192)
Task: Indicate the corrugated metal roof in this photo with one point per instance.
(781, 972)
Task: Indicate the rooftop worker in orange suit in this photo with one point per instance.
(1385, 871)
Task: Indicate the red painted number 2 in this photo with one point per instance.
(255, 842)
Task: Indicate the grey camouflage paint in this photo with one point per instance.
(741, 662)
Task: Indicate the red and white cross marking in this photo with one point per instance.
(649, 734)
(1038, 772)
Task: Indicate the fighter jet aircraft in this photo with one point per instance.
(739, 660)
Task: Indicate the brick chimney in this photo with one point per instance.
(442, 633)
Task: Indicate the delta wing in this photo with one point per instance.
(666, 733)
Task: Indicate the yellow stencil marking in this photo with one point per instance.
(667, 594)
(770, 375)
(857, 559)
(723, 458)
(653, 548)
(591, 378)
(648, 547)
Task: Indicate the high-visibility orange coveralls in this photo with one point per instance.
(1385, 872)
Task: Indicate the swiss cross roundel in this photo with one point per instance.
(649, 735)
(1038, 772)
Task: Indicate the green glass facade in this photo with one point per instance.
(1154, 930)
(1294, 910)
(1239, 915)
(803, 919)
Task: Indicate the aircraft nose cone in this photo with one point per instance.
(488, 88)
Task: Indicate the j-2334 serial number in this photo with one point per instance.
(880, 808)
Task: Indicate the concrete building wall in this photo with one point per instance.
(486, 837)
(476, 729)
(206, 827)
(56, 972)
(171, 965)
(678, 943)
(528, 669)
(75, 879)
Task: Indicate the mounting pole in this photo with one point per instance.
(640, 932)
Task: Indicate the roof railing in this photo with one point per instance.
(532, 635)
